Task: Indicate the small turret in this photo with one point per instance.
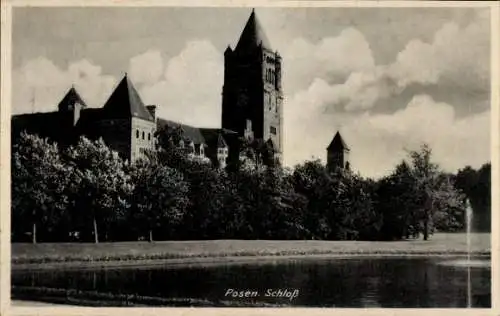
(338, 154)
(72, 102)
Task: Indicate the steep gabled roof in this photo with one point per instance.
(126, 102)
(219, 137)
(337, 143)
(71, 97)
(190, 132)
(253, 35)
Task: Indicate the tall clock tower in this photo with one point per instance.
(252, 96)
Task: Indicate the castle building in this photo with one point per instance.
(252, 96)
(251, 107)
(124, 123)
(337, 154)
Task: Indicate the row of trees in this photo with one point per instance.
(88, 193)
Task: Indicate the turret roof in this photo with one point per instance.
(338, 143)
(71, 97)
(253, 35)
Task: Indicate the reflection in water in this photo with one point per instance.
(382, 282)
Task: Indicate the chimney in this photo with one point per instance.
(152, 110)
(248, 133)
(77, 107)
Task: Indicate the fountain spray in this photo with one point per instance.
(468, 215)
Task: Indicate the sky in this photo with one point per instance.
(389, 79)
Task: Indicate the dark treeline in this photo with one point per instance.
(476, 185)
(88, 193)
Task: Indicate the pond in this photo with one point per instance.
(360, 282)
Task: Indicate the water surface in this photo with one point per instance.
(361, 282)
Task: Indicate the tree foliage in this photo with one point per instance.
(159, 199)
(476, 186)
(100, 185)
(87, 190)
(38, 183)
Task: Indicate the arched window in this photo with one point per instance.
(149, 136)
(137, 134)
(143, 134)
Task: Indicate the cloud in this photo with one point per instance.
(455, 59)
(331, 59)
(331, 84)
(456, 54)
(378, 141)
(190, 90)
(39, 85)
(147, 67)
(360, 91)
(331, 97)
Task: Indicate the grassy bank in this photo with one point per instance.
(453, 244)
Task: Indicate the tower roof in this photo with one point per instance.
(126, 102)
(71, 97)
(338, 143)
(221, 143)
(253, 35)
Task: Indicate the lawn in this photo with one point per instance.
(442, 244)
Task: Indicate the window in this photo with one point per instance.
(137, 134)
(273, 130)
(143, 135)
(149, 136)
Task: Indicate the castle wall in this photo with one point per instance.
(272, 99)
(141, 137)
(115, 133)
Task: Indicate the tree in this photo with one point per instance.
(433, 191)
(159, 196)
(476, 185)
(101, 188)
(256, 153)
(39, 180)
(207, 194)
(396, 203)
(361, 213)
(449, 206)
(324, 218)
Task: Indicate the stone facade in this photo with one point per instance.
(252, 107)
(124, 123)
(142, 137)
(252, 97)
